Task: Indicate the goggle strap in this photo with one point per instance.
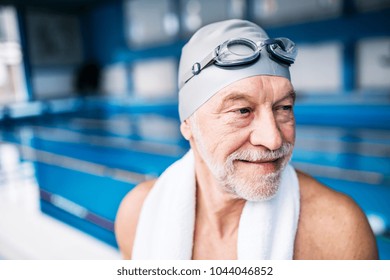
(199, 66)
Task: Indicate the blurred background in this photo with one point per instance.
(88, 108)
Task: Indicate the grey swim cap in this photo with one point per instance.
(212, 78)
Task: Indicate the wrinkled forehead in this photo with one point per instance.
(252, 89)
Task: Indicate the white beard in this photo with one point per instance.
(255, 187)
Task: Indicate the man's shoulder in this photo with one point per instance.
(332, 225)
(140, 191)
(127, 216)
(316, 196)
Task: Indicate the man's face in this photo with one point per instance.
(243, 136)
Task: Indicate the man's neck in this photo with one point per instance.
(216, 209)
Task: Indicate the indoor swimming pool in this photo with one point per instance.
(83, 164)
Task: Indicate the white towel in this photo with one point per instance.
(165, 229)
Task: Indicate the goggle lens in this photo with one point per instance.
(236, 52)
(282, 49)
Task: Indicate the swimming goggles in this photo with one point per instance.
(241, 51)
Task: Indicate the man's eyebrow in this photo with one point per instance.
(291, 94)
(237, 95)
(234, 96)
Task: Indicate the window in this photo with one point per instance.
(150, 22)
(197, 13)
(318, 68)
(278, 12)
(55, 50)
(155, 78)
(374, 63)
(12, 78)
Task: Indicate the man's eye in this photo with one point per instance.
(244, 111)
(284, 108)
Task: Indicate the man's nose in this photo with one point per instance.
(265, 131)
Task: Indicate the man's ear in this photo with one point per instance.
(185, 128)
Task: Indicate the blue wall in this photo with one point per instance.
(103, 31)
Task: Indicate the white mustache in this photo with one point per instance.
(253, 155)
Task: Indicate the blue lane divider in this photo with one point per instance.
(76, 210)
(84, 194)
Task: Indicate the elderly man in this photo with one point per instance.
(234, 194)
